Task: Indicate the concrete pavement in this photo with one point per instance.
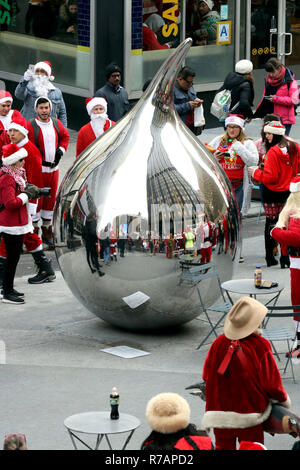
(52, 366)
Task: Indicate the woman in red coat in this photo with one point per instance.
(287, 230)
(97, 109)
(281, 164)
(14, 218)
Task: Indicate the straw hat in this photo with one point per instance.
(244, 318)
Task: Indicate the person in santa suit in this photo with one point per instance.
(6, 116)
(52, 139)
(208, 240)
(15, 220)
(287, 231)
(241, 378)
(18, 134)
(97, 110)
(38, 82)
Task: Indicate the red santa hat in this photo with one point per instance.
(295, 184)
(92, 102)
(5, 96)
(12, 154)
(235, 119)
(274, 127)
(248, 445)
(46, 66)
(19, 124)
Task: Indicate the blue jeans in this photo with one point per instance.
(239, 193)
(287, 128)
(106, 255)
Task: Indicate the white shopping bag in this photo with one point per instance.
(199, 119)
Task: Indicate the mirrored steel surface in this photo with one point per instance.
(148, 183)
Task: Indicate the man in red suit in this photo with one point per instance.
(18, 134)
(6, 116)
(241, 378)
(52, 139)
(97, 110)
(287, 232)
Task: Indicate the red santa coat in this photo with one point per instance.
(4, 137)
(61, 140)
(291, 237)
(86, 136)
(233, 400)
(14, 216)
(33, 167)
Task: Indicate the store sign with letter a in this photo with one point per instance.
(224, 32)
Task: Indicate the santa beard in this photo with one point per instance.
(98, 122)
(42, 85)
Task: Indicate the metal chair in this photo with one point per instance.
(196, 274)
(282, 333)
(261, 204)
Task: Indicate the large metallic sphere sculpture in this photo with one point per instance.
(147, 184)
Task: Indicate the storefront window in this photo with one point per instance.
(158, 26)
(53, 30)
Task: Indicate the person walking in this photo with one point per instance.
(281, 164)
(15, 221)
(99, 123)
(18, 135)
(236, 152)
(280, 94)
(241, 378)
(240, 83)
(185, 98)
(36, 82)
(116, 96)
(52, 139)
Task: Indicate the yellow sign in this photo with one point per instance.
(224, 32)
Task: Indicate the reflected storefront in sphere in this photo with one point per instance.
(147, 196)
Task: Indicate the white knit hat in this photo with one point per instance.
(235, 119)
(92, 102)
(209, 3)
(46, 66)
(274, 127)
(243, 66)
(12, 154)
(295, 184)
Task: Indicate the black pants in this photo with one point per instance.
(13, 245)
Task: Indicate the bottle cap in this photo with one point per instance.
(257, 267)
(114, 391)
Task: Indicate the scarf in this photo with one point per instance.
(18, 174)
(276, 81)
(98, 122)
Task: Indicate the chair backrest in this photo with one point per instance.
(203, 271)
(283, 311)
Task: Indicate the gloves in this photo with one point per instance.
(58, 154)
(28, 75)
(32, 191)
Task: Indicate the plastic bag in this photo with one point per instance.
(199, 119)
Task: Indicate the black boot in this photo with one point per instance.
(269, 242)
(2, 269)
(284, 261)
(45, 271)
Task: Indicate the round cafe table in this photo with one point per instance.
(100, 424)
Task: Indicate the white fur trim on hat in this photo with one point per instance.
(274, 127)
(96, 102)
(18, 127)
(235, 120)
(44, 66)
(243, 66)
(5, 96)
(168, 413)
(15, 157)
(46, 98)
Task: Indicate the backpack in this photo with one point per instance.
(36, 130)
(194, 443)
(221, 105)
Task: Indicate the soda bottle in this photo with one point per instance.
(257, 276)
(114, 403)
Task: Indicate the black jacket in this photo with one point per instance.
(158, 441)
(242, 92)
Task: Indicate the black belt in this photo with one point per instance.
(207, 239)
(47, 164)
(293, 250)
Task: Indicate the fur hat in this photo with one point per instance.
(19, 124)
(12, 154)
(243, 66)
(235, 119)
(5, 96)
(111, 68)
(295, 184)
(274, 127)
(244, 318)
(209, 3)
(46, 66)
(168, 413)
(248, 445)
(92, 102)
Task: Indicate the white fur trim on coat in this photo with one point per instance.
(232, 420)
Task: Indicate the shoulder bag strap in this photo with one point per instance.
(191, 442)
